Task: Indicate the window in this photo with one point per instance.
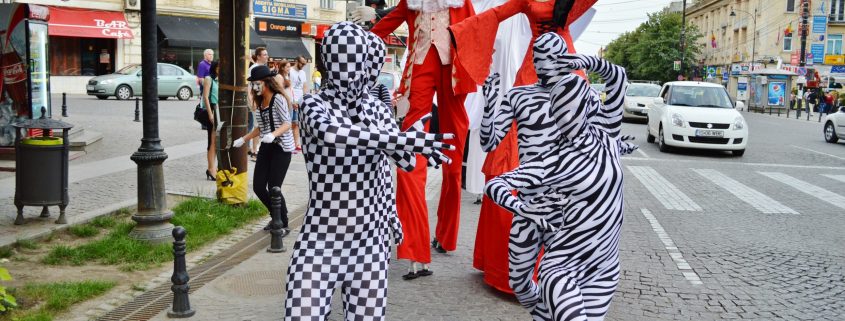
(165, 70)
(834, 45)
(327, 4)
(837, 10)
(787, 42)
(790, 5)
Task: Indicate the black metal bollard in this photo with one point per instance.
(181, 304)
(137, 110)
(276, 243)
(64, 105)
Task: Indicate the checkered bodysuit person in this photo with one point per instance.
(344, 240)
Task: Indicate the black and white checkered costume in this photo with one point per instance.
(344, 239)
(570, 195)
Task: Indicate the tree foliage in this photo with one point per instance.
(648, 52)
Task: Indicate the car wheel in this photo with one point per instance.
(648, 136)
(738, 153)
(661, 143)
(123, 92)
(102, 96)
(184, 93)
(830, 133)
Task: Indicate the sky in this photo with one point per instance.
(614, 17)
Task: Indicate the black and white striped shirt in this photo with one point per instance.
(280, 114)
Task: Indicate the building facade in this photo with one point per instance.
(95, 37)
(767, 31)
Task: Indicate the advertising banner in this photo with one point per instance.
(742, 88)
(777, 92)
(820, 24)
(278, 9)
(278, 28)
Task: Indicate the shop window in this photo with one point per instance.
(834, 45)
(187, 58)
(81, 56)
(327, 4)
(790, 5)
(787, 42)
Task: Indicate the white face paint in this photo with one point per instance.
(258, 87)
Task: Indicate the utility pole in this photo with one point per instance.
(805, 13)
(683, 37)
(233, 52)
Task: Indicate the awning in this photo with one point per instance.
(87, 23)
(195, 32)
(286, 48)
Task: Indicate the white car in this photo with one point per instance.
(834, 126)
(692, 114)
(638, 99)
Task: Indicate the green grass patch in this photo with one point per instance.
(205, 220)
(103, 222)
(5, 252)
(27, 244)
(42, 302)
(84, 230)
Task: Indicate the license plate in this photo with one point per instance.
(89, 87)
(709, 133)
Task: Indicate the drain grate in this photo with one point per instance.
(152, 302)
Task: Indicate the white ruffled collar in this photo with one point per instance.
(434, 5)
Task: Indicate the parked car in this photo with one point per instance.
(599, 88)
(701, 115)
(126, 83)
(638, 99)
(389, 80)
(834, 126)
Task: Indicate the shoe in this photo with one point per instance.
(424, 272)
(437, 247)
(209, 176)
(269, 226)
(410, 276)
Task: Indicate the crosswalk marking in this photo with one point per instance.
(663, 190)
(754, 198)
(807, 188)
(670, 246)
(840, 178)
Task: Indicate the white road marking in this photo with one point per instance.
(640, 150)
(754, 198)
(722, 163)
(670, 246)
(663, 190)
(840, 178)
(818, 152)
(807, 188)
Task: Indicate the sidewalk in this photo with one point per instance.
(255, 289)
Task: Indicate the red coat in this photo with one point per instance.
(461, 81)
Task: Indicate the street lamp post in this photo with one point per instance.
(153, 218)
(754, 39)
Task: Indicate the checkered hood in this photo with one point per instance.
(376, 50)
(547, 58)
(345, 54)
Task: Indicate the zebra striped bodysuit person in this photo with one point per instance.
(343, 242)
(580, 212)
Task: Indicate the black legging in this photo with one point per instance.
(270, 170)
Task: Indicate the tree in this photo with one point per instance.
(649, 52)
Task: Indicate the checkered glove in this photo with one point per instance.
(540, 207)
(436, 157)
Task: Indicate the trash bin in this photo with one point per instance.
(41, 175)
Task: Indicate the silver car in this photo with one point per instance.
(638, 99)
(173, 81)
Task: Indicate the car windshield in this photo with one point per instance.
(129, 70)
(386, 80)
(598, 87)
(694, 96)
(643, 90)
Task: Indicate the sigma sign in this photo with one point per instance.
(109, 28)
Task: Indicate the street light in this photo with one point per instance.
(754, 40)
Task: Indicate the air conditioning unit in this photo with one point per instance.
(132, 5)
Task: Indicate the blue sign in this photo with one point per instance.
(819, 24)
(802, 71)
(837, 70)
(278, 9)
(818, 52)
(742, 86)
(725, 76)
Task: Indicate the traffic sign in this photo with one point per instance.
(802, 71)
(676, 65)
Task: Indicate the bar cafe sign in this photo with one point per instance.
(279, 28)
(278, 9)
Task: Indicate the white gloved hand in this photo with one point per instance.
(268, 138)
(363, 14)
(238, 142)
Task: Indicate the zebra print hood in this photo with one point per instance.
(548, 61)
(572, 106)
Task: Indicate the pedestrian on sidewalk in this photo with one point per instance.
(271, 167)
(209, 101)
(260, 58)
(299, 81)
(203, 68)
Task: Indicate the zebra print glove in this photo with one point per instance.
(540, 207)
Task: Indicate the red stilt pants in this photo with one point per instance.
(427, 78)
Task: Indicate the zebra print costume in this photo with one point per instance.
(570, 190)
(343, 242)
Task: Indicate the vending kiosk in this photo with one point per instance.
(25, 88)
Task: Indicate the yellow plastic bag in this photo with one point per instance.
(232, 188)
